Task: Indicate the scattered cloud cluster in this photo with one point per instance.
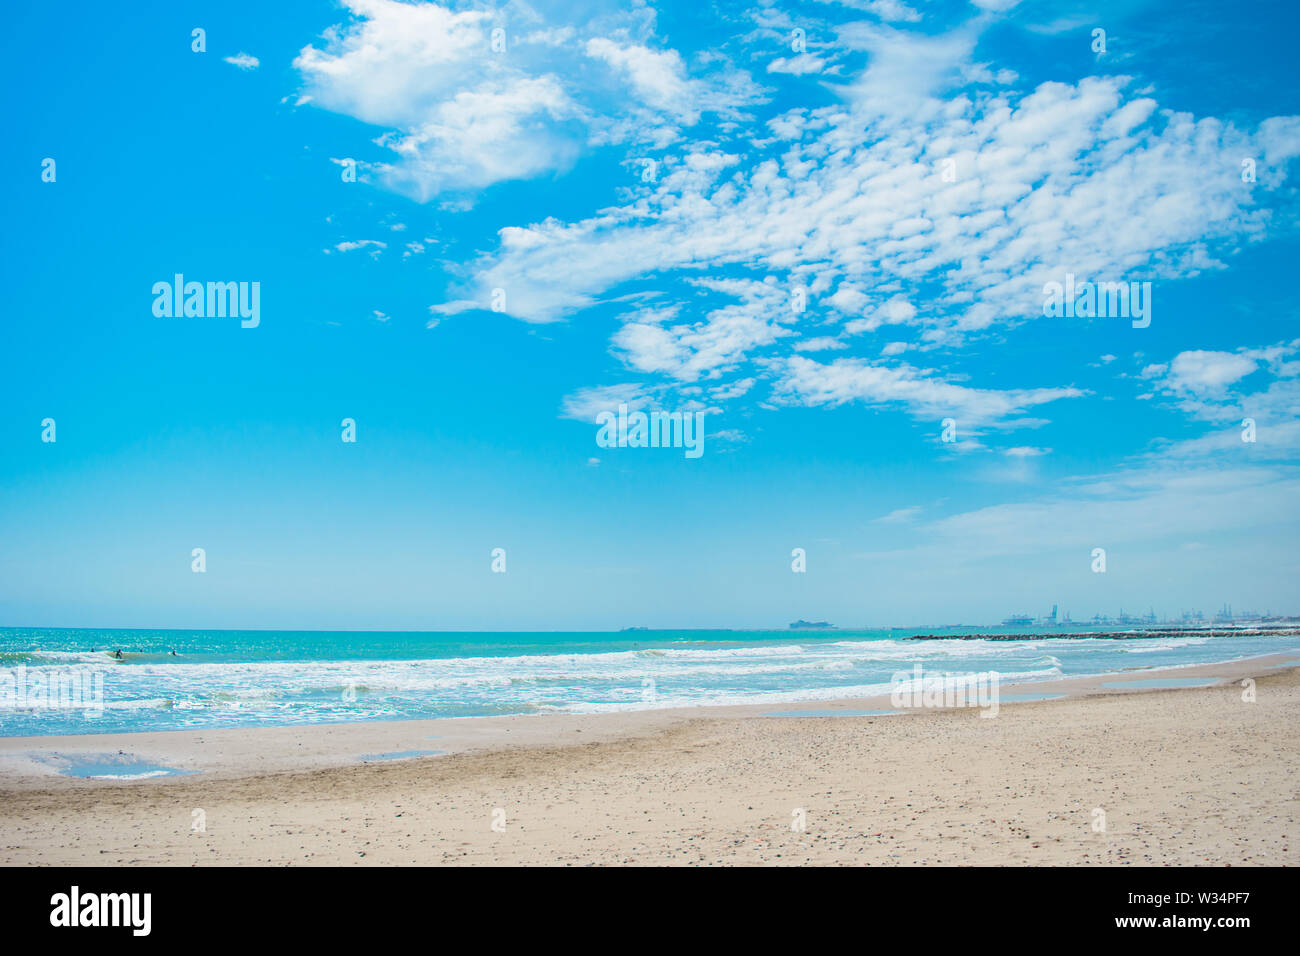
(1224, 389)
(967, 202)
(795, 255)
(471, 97)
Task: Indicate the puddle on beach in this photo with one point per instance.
(1035, 695)
(1164, 683)
(400, 755)
(119, 766)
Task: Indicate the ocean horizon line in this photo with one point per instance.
(1272, 620)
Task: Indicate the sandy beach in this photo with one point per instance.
(1103, 776)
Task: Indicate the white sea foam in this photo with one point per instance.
(155, 692)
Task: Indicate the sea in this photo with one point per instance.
(188, 679)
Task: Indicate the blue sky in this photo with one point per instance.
(652, 187)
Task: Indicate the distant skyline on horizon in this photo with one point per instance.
(1125, 618)
(472, 232)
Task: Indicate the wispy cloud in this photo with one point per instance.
(373, 246)
(244, 61)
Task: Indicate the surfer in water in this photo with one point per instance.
(117, 654)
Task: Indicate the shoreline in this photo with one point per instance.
(232, 752)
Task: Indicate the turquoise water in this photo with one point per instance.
(239, 678)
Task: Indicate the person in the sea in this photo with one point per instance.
(118, 653)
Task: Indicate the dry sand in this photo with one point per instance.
(1190, 776)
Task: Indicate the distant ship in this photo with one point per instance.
(808, 625)
(1019, 620)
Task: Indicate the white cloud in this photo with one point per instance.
(889, 10)
(373, 246)
(1201, 371)
(731, 436)
(848, 201)
(1037, 178)
(821, 344)
(464, 111)
(651, 341)
(848, 299)
(897, 311)
(456, 307)
(1209, 386)
(585, 404)
(900, 515)
(243, 61)
(723, 393)
(802, 381)
(869, 226)
(797, 65)
(658, 79)
(1140, 506)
